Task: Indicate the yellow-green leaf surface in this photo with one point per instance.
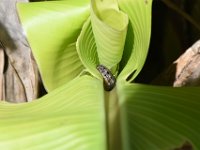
(102, 41)
(72, 116)
(109, 26)
(86, 48)
(64, 119)
(159, 118)
(138, 36)
(52, 28)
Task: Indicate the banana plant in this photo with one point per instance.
(88, 54)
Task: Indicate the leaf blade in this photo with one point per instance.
(109, 26)
(159, 117)
(138, 37)
(86, 48)
(64, 119)
(51, 28)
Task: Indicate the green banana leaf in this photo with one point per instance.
(159, 118)
(53, 28)
(62, 116)
(69, 39)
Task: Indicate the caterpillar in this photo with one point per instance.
(108, 78)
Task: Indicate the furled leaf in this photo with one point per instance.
(86, 48)
(64, 119)
(102, 40)
(109, 26)
(159, 118)
(138, 36)
(52, 28)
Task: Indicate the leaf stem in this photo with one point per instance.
(113, 120)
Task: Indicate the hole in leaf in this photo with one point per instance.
(185, 146)
(130, 76)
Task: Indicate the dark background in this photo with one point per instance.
(171, 34)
